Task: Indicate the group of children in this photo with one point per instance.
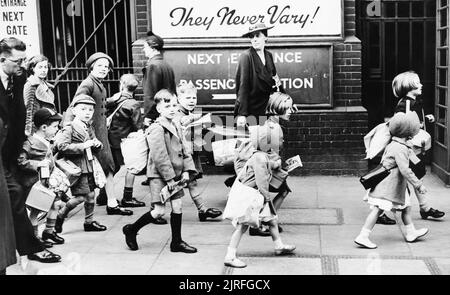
(173, 161)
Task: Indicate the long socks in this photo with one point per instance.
(175, 224)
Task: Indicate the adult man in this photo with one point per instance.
(13, 78)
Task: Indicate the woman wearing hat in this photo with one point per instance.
(256, 77)
(37, 92)
(99, 65)
(158, 74)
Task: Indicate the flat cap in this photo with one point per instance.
(44, 115)
(82, 98)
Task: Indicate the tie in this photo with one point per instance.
(9, 86)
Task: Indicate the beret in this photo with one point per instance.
(97, 56)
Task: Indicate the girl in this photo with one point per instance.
(257, 173)
(37, 92)
(168, 165)
(407, 87)
(389, 194)
(99, 65)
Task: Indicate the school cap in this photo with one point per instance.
(96, 56)
(83, 98)
(44, 115)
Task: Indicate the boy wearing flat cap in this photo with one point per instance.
(77, 143)
(36, 161)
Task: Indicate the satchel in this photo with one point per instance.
(40, 197)
(110, 117)
(72, 171)
(372, 178)
(244, 204)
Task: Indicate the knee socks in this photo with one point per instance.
(128, 193)
(145, 219)
(70, 205)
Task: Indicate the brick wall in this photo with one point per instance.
(330, 142)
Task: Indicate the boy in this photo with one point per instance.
(187, 99)
(168, 163)
(36, 161)
(75, 143)
(126, 118)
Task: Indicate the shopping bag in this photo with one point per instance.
(135, 152)
(243, 205)
(99, 174)
(376, 140)
(224, 151)
(72, 171)
(40, 197)
(371, 179)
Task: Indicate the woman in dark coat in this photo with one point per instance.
(99, 65)
(7, 238)
(256, 77)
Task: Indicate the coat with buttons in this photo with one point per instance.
(94, 88)
(168, 158)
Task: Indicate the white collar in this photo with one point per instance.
(4, 78)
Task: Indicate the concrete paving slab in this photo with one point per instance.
(116, 264)
(432, 244)
(310, 216)
(279, 266)
(373, 265)
(339, 240)
(207, 233)
(444, 265)
(207, 261)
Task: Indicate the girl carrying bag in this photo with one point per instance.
(372, 178)
(244, 204)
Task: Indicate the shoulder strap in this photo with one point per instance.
(117, 109)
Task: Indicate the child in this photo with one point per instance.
(168, 163)
(187, 99)
(126, 113)
(256, 173)
(37, 157)
(390, 193)
(407, 87)
(75, 143)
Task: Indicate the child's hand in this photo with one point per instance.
(184, 178)
(275, 164)
(44, 163)
(97, 143)
(422, 189)
(89, 143)
(171, 184)
(430, 118)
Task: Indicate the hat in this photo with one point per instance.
(404, 125)
(256, 28)
(97, 56)
(83, 98)
(154, 41)
(44, 115)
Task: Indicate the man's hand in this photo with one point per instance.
(430, 118)
(241, 121)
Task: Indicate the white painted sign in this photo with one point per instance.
(19, 18)
(232, 18)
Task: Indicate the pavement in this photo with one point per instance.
(321, 217)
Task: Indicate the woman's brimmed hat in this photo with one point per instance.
(256, 28)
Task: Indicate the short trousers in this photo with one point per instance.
(84, 185)
(156, 185)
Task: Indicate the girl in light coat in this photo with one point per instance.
(390, 193)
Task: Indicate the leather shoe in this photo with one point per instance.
(46, 244)
(133, 203)
(45, 257)
(259, 232)
(384, 219)
(431, 213)
(130, 237)
(58, 225)
(211, 213)
(145, 182)
(182, 247)
(94, 226)
(118, 211)
(55, 239)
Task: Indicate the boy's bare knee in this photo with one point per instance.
(158, 211)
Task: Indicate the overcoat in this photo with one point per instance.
(158, 74)
(94, 88)
(254, 83)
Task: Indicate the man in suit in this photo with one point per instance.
(12, 107)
